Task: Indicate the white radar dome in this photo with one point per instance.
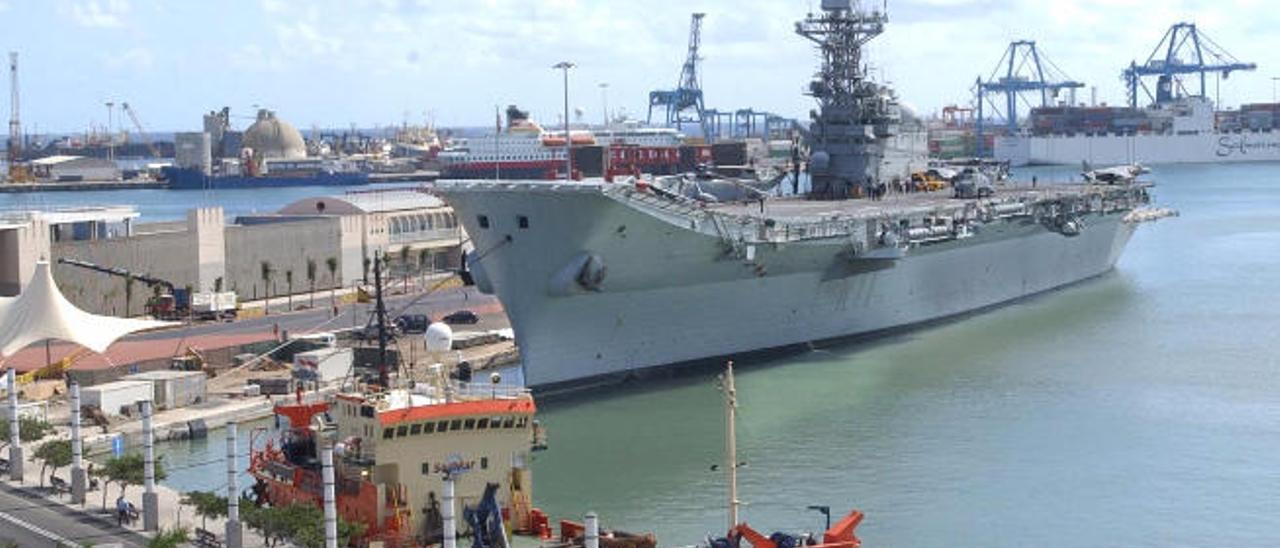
(439, 337)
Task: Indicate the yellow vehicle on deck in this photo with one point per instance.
(930, 180)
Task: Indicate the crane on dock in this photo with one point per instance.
(684, 105)
(1183, 51)
(18, 172)
(142, 133)
(1022, 70)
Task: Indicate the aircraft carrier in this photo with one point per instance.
(603, 279)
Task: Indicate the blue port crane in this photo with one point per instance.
(1022, 70)
(1183, 51)
(684, 105)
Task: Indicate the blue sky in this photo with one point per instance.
(331, 63)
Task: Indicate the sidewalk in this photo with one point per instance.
(171, 512)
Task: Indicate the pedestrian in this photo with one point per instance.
(122, 511)
(1033, 181)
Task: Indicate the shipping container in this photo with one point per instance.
(175, 389)
(118, 397)
(322, 366)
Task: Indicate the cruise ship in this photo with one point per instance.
(605, 281)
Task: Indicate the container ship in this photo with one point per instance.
(603, 281)
(1181, 125)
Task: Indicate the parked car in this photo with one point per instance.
(412, 323)
(462, 317)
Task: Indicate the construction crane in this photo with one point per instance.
(18, 172)
(684, 104)
(1021, 70)
(142, 133)
(1182, 51)
(169, 302)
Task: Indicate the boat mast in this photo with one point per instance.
(731, 443)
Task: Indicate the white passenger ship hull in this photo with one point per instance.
(1145, 149)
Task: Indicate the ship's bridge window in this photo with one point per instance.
(429, 428)
(523, 221)
(483, 220)
(366, 411)
(388, 433)
(484, 463)
(442, 426)
(426, 468)
(470, 424)
(402, 431)
(415, 429)
(482, 424)
(455, 425)
(509, 422)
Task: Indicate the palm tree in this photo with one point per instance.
(266, 284)
(424, 259)
(311, 279)
(288, 280)
(404, 266)
(332, 264)
(128, 294)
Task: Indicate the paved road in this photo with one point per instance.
(436, 305)
(37, 523)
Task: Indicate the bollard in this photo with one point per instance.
(592, 535)
(150, 500)
(235, 531)
(446, 513)
(15, 437)
(330, 502)
(79, 480)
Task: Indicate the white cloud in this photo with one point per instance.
(99, 13)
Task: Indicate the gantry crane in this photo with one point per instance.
(1021, 70)
(1182, 51)
(684, 105)
(18, 172)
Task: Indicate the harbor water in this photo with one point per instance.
(1136, 409)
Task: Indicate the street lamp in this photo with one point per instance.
(564, 66)
(604, 94)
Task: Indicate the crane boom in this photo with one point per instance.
(150, 281)
(142, 133)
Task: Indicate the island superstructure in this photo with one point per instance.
(602, 279)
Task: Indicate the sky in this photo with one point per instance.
(334, 63)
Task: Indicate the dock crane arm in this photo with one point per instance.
(142, 133)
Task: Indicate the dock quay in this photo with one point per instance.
(416, 176)
(68, 186)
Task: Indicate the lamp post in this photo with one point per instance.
(604, 95)
(564, 67)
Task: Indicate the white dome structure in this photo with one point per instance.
(439, 337)
(273, 138)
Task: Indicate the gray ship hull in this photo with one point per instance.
(671, 294)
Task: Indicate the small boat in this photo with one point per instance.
(839, 535)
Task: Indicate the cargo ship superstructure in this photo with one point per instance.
(602, 279)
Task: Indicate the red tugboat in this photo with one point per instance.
(391, 451)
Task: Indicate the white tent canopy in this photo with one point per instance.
(41, 312)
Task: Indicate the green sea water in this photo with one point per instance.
(1136, 409)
